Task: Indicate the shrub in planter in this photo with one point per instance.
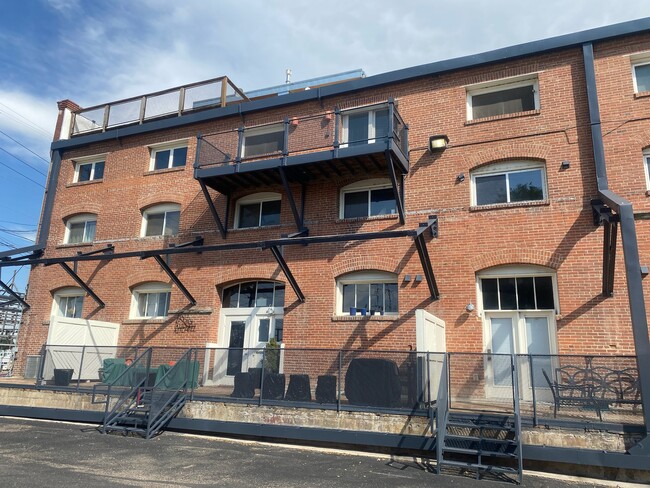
(272, 356)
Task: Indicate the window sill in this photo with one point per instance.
(84, 183)
(504, 116)
(144, 321)
(643, 94)
(163, 171)
(370, 218)
(76, 244)
(498, 206)
(190, 311)
(364, 318)
(261, 227)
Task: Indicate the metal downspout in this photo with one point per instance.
(630, 245)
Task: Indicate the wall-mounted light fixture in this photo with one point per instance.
(460, 177)
(566, 164)
(407, 278)
(438, 143)
(469, 307)
(418, 278)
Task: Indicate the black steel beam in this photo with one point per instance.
(287, 272)
(82, 283)
(5, 255)
(397, 193)
(421, 246)
(165, 267)
(292, 202)
(213, 210)
(15, 295)
(609, 257)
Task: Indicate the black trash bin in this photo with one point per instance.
(62, 377)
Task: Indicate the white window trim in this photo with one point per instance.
(76, 219)
(367, 185)
(68, 292)
(164, 147)
(639, 59)
(156, 209)
(258, 131)
(646, 168)
(515, 271)
(78, 162)
(360, 278)
(371, 110)
(153, 287)
(255, 198)
(509, 167)
(499, 85)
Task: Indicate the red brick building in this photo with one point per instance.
(315, 200)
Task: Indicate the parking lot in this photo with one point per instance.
(42, 453)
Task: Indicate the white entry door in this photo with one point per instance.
(431, 345)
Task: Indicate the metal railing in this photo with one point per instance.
(296, 135)
(174, 101)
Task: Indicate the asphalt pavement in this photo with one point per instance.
(57, 454)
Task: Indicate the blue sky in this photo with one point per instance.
(98, 51)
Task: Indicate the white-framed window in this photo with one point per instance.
(374, 291)
(646, 167)
(80, 228)
(509, 182)
(641, 72)
(161, 220)
(502, 97)
(258, 210)
(367, 198)
(364, 125)
(150, 300)
(170, 155)
(259, 141)
(68, 302)
(89, 168)
(250, 294)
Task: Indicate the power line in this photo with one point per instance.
(26, 164)
(17, 235)
(16, 223)
(19, 231)
(19, 173)
(25, 147)
(33, 124)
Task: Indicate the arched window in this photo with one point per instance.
(367, 198)
(150, 300)
(254, 294)
(509, 182)
(161, 220)
(258, 210)
(80, 228)
(373, 291)
(68, 302)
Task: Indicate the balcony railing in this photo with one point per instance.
(174, 101)
(295, 136)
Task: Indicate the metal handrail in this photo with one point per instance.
(442, 406)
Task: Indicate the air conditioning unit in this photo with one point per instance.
(31, 366)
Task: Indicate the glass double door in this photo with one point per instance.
(513, 333)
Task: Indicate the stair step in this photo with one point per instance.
(480, 467)
(484, 426)
(488, 440)
(475, 452)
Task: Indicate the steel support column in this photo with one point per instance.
(421, 246)
(397, 191)
(15, 295)
(82, 284)
(297, 217)
(213, 210)
(287, 272)
(165, 267)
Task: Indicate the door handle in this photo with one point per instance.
(489, 353)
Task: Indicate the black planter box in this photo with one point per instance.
(373, 382)
(243, 386)
(273, 388)
(62, 377)
(326, 389)
(299, 389)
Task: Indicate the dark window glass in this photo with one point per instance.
(235, 351)
(231, 296)
(377, 296)
(270, 213)
(264, 294)
(382, 202)
(162, 159)
(76, 232)
(348, 297)
(263, 330)
(544, 291)
(155, 222)
(258, 144)
(249, 215)
(172, 221)
(278, 300)
(381, 123)
(491, 189)
(163, 304)
(525, 294)
(99, 171)
(279, 329)
(180, 156)
(507, 293)
(390, 297)
(489, 287)
(642, 74)
(357, 129)
(363, 295)
(247, 295)
(502, 102)
(85, 171)
(355, 204)
(526, 185)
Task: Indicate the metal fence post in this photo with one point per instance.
(262, 378)
(41, 366)
(513, 372)
(531, 359)
(391, 123)
(337, 130)
(81, 366)
(338, 396)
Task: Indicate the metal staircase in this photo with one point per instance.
(482, 443)
(146, 405)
